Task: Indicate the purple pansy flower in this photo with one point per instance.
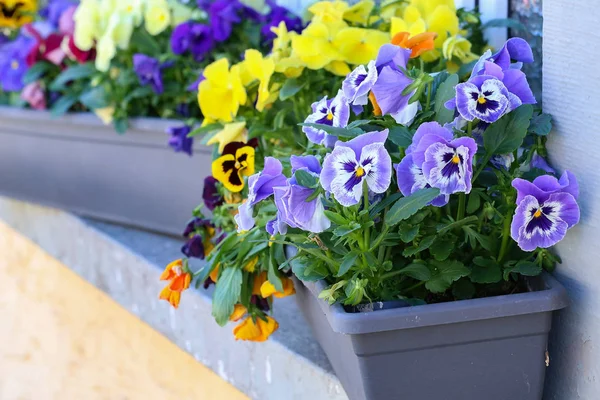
(193, 37)
(546, 209)
(363, 158)
(334, 112)
(13, 64)
(149, 71)
(539, 162)
(194, 247)
(391, 82)
(358, 84)
(223, 15)
(193, 87)
(292, 208)
(210, 195)
(260, 187)
(496, 86)
(54, 10)
(179, 140)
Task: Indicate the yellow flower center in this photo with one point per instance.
(456, 159)
(538, 213)
(129, 8)
(481, 99)
(237, 165)
(329, 116)
(360, 171)
(162, 17)
(14, 64)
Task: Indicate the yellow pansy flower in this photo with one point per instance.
(314, 46)
(262, 69)
(267, 289)
(359, 45)
(105, 114)
(132, 9)
(221, 93)
(157, 16)
(458, 47)
(255, 331)
(360, 12)
(234, 132)
(17, 13)
(339, 68)
(400, 25)
(328, 11)
(238, 312)
(86, 19)
(105, 51)
(230, 168)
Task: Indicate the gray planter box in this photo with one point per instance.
(492, 348)
(78, 164)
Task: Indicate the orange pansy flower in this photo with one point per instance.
(238, 312)
(258, 331)
(268, 289)
(258, 282)
(418, 44)
(180, 281)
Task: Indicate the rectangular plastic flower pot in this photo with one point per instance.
(76, 163)
(482, 349)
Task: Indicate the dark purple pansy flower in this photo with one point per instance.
(391, 82)
(293, 209)
(260, 187)
(13, 63)
(193, 37)
(179, 140)
(196, 227)
(196, 224)
(210, 194)
(363, 158)
(194, 247)
(149, 71)
(546, 209)
(334, 112)
(223, 15)
(275, 17)
(539, 162)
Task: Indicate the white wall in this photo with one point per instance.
(571, 92)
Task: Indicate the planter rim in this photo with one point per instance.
(553, 296)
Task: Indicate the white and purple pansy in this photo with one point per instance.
(334, 112)
(260, 187)
(293, 209)
(358, 84)
(362, 159)
(546, 209)
(409, 174)
(485, 98)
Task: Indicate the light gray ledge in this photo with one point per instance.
(126, 264)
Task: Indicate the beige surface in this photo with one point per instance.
(61, 338)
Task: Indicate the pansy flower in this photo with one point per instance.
(546, 209)
(418, 44)
(199, 232)
(291, 200)
(436, 159)
(179, 281)
(149, 71)
(193, 37)
(179, 140)
(334, 112)
(236, 162)
(358, 84)
(362, 159)
(391, 82)
(484, 97)
(210, 194)
(260, 187)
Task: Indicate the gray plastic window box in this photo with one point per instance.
(482, 349)
(76, 163)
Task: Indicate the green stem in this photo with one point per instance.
(380, 238)
(469, 128)
(505, 235)
(413, 287)
(460, 214)
(486, 159)
(429, 87)
(366, 207)
(388, 275)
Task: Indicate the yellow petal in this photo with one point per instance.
(358, 45)
(238, 312)
(247, 330)
(157, 17)
(359, 12)
(234, 132)
(338, 68)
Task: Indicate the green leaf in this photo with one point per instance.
(342, 231)
(144, 42)
(205, 130)
(306, 179)
(273, 275)
(506, 135)
(408, 206)
(408, 233)
(541, 124)
(76, 72)
(474, 202)
(485, 270)
(36, 72)
(475, 236)
(418, 271)
(463, 289)
(357, 123)
(347, 263)
(444, 93)
(290, 88)
(423, 245)
(226, 294)
(444, 274)
(336, 218)
(442, 248)
(400, 135)
(95, 98)
(309, 270)
(335, 131)
(388, 200)
(526, 268)
(142, 91)
(457, 224)
(504, 23)
(63, 104)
